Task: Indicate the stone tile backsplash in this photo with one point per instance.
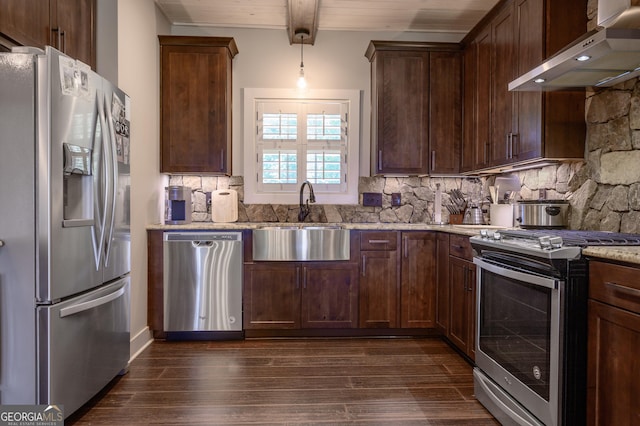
(603, 191)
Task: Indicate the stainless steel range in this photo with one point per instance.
(531, 334)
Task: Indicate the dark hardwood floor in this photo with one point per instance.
(292, 381)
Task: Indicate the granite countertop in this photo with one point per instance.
(453, 229)
(619, 253)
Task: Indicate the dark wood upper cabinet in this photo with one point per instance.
(67, 25)
(416, 107)
(516, 127)
(445, 112)
(503, 58)
(196, 104)
(73, 29)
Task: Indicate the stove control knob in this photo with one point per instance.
(484, 233)
(556, 242)
(497, 236)
(545, 242)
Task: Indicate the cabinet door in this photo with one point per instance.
(469, 142)
(196, 119)
(73, 28)
(527, 143)
(25, 22)
(401, 127)
(503, 72)
(379, 289)
(459, 293)
(613, 387)
(445, 111)
(418, 280)
(442, 282)
(271, 296)
(471, 310)
(330, 295)
(482, 102)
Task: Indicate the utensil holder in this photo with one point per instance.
(456, 219)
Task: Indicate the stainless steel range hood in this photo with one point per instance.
(600, 58)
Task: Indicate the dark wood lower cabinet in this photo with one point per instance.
(613, 373)
(614, 366)
(442, 283)
(393, 289)
(379, 289)
(300, 295)
(418, 280)
(462, 296)
(329, 296)
(271, 296)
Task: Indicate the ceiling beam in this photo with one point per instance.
(302, 16)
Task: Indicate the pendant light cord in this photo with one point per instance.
(301, 50)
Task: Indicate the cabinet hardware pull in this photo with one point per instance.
(406, 246)
(222, 160)
(304, 278)
(56, 41)
(379, 241)
(364, 265)
(486, 153)
(514, 145)
(63, 41)
(457, 247)
(507, 146)
(433, 160)
(379, 160)
(297, 277)
(624, 291)
(467, 285)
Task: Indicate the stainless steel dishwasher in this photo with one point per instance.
(202, 284)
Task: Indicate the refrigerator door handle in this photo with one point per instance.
(112, 167)
(102, 182)
(85, 306)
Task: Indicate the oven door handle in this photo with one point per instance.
(517, 275)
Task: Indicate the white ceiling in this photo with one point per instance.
(440, 16)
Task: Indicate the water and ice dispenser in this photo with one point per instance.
(177, 208)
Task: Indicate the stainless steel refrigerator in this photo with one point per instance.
(64, 221)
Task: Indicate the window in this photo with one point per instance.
(289, 140)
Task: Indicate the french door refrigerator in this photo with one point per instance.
(64, 221)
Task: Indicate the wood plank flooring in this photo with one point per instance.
(292, 381)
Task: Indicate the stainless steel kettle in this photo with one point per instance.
(473, 216)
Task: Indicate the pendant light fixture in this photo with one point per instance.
(302, 82)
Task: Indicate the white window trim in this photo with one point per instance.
(251, 192)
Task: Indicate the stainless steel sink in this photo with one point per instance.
(301, 243)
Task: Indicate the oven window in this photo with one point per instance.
(514, 328)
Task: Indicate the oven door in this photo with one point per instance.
(517, 336)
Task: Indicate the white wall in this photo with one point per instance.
(335, 61)
(107, 39)
(139, 22)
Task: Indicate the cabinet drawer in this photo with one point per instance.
(378, 240)
(615, 284)
(460, 246)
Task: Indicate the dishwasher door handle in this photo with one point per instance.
(202, 243)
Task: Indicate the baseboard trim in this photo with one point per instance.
(140, 342)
